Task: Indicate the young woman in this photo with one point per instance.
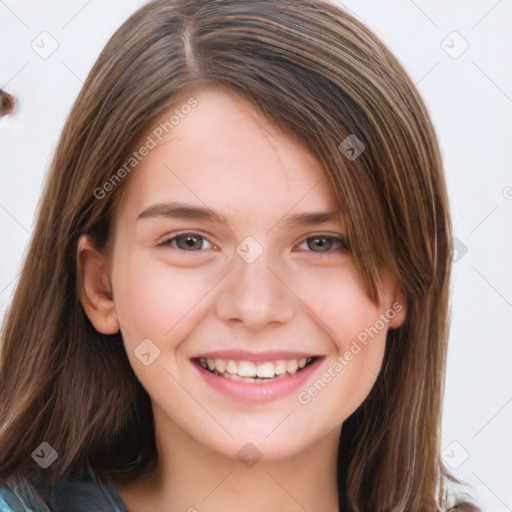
(236, 295)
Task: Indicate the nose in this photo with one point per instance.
(255, 294)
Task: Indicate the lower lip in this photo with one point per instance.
(258, 392)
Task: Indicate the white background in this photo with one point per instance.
(469, 96)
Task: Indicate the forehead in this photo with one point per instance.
(225, 154)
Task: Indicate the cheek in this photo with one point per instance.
(360, 342)
(338, 300)
(152, 298)
(350, 371)
(358, 336)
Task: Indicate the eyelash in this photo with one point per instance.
(341, 240)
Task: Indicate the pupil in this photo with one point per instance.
(323, 242)
(191, 241)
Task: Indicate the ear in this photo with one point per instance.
(399, 307)
(94, 289)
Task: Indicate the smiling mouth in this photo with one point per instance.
(247, 371)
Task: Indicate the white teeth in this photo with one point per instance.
(265, 370)
(237, 377)
(280, 368)
(232, 367)
(291, 366)
(220, 364)
(246, 369)
(249, 371)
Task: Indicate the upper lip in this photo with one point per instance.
(255, 357)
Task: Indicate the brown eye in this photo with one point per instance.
(190, 242)
(321, 243)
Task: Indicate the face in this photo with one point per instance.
(238, 300)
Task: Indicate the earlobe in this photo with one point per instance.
(398, 310)
(94, 287)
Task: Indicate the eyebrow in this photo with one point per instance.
(187, 211)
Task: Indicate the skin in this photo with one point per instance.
(227, 156)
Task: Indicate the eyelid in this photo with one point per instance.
(172, 236)
(340, 238)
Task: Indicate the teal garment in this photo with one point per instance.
(70, 495)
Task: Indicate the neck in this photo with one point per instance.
(190, 477)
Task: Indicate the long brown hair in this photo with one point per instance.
(322, 76)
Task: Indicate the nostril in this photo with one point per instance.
(7, 103)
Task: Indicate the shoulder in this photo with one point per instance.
(69, 495)
(9, 502)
